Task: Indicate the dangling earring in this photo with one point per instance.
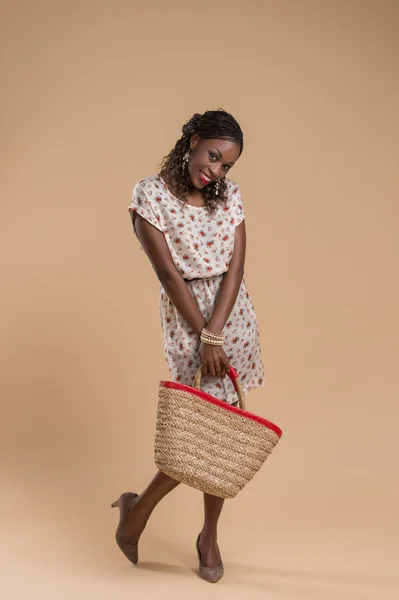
(217, 188)
(185, 161)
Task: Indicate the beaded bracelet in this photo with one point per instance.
(209, 334)
(211, 342)
(211, 338)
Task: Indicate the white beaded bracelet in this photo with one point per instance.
(211, 338)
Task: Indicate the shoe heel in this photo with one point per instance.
(211, 574)
(124, 502)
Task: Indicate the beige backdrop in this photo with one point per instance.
(94, 95)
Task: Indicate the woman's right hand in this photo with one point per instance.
(214, 360)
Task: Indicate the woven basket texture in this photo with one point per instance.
(207, 447)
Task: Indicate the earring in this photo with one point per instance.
(185, 160)
(217, 188)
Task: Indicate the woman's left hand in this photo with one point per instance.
(215, 361)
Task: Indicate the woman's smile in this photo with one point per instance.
(205, 178)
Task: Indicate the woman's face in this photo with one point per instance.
(210, 160)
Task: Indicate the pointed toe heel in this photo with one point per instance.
(210, 574)
(125, 502)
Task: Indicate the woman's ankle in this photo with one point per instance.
(208, 535)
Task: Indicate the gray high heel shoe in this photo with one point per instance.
(125, 502)
(211, 574)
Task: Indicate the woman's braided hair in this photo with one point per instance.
(213, 124)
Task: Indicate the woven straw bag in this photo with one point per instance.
(207, 443)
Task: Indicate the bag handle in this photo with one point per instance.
(232, 373)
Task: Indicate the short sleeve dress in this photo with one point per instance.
(201, 245)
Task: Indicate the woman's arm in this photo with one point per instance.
(214, 360)
(231, 283)
(154, 245)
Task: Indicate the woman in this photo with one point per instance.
(189, 220)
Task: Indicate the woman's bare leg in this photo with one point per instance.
(208, 539)
(142, 508)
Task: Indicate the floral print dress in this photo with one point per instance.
(201, 245)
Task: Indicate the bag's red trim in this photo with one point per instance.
(186, 388)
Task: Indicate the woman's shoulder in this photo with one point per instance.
(234, 200)
(233, 191)
(150, 184)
